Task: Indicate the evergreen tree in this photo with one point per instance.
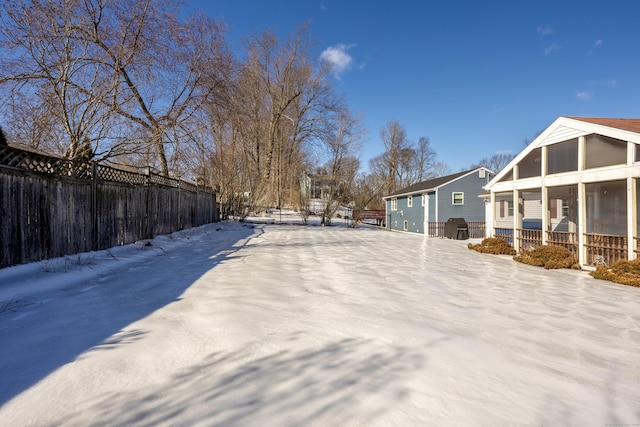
(3, 140)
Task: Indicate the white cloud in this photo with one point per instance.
(549, 50)
(338, 57)
(596, 45)
(543, 30)
(584, 96)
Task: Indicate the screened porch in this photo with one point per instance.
(604, 232)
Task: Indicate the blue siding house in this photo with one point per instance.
(426, 206)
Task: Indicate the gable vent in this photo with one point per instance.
(562, 133)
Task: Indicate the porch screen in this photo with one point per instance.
(607, 208)
(604, 151)
(562, 208)
(530, 166)
(504, 210)
(562, 157)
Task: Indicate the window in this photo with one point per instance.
(394, 204)
(509, 208)
(457, 198)
(409, 201)
(565, 208)
(405, 225)
(504, 205)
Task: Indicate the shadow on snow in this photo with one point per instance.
(39, 337)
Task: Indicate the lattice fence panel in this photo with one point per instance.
(106, 173)
(44, 164)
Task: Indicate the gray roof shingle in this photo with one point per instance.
(430, 184)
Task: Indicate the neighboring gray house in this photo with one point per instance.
(426, 206)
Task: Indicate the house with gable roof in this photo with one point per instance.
(575, 185)
(425, 207)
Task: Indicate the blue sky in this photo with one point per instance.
(476, 77)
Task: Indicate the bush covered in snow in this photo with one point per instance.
(549, 256)
(493, 245)
(622, 271)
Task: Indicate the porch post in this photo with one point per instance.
(582, 203)
(517, 219)
(631, 204)
(544, 220)
(490, 224)
(631, 218)
(544, 195)
(582, 219)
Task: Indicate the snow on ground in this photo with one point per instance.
(238, 324)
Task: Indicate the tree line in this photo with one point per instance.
(141, 83)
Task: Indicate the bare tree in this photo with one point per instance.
(341, 146)
(440, 169)
(425, 159)
(44, 57)
(90, 60)
(394, 138)
(495, 162)
(366, 193)
(403, 163)
(273, 71)
(282, 101)
(160, 78)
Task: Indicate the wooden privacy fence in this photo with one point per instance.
(51, 207)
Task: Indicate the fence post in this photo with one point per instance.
(179, 207)
(95, 238)
(147, 228)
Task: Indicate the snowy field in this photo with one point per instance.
(237, 324)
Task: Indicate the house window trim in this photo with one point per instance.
(394, 204)
(405, 225)
(409, 201)
(453, 198)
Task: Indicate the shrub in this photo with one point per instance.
(493, 245)
(622, 271)
(549, 256)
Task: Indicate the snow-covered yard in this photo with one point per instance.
(234, 324)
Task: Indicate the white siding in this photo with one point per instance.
(532, 205)
(562, 133)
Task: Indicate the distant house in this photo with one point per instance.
(317, 189)
(575, 185)
(426, 206)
